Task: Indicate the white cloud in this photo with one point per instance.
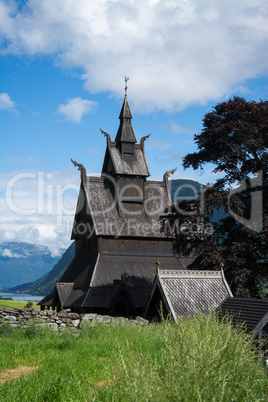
(76, 108)
(6, 103)
(170, 157)
(8, 253)
(38, 207)
(176, 53)
(30, 160)
(156, 143)
(12, 159)
(96, 152)
(176, 128)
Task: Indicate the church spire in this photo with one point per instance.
(125, 133)
(124, 157)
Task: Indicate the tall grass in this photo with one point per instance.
(201, 360)
(198, 359)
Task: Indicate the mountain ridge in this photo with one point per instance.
(46, 283)
(23, 262)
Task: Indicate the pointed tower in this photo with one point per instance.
(124, 157)
(117, 232)
(125, 138)
(125, 161)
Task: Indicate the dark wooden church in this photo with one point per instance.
(117, 233)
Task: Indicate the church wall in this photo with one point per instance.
(131, 246)
(85, 245)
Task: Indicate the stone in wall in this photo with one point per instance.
(18, 317)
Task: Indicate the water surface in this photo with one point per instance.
(20, 296)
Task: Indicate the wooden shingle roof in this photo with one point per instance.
(252, 313)
(104, 214)
(125, 132)
(188, 292)
(138, 165)
(64, 290)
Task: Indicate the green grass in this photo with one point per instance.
(195, 360)
(16, 304)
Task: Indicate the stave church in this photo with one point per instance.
(120, 246)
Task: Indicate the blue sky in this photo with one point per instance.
(62, 78)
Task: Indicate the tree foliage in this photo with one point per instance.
(235, 139)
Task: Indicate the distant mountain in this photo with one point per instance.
(46, 284)
(183, 189)
(22, 263)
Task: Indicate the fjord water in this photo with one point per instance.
(20, 296)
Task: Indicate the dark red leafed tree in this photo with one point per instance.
(235, 139)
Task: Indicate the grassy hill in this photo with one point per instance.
(9, 303)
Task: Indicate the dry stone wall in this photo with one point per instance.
(20, 317)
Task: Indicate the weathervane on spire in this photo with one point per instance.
(126, 80)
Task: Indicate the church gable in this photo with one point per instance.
(134, 165)
(185, 293)
(120, 211)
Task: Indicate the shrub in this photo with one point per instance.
(29, 304)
